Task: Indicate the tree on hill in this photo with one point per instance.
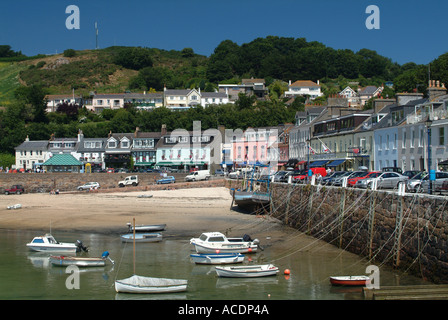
(133, 58)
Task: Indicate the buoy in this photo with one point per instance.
(249, 250)
(217, 251)
(287, 272)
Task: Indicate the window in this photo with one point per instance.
(124, 144)
(421, 137)
(112, 144)
(403, 142)
(411, 143)
(441, 136)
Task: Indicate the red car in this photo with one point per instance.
(316, 171)
(362, 175)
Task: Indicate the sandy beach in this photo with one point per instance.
(187, 212)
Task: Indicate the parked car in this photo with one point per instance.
(17, 189)
(88, 186)
(285, 178)
(411, 173)
(328, 180)
(110, 170)
(279, 175)
(386, 180)
(219, 172)
(320, 172)
(413, 184)
(392, 169)
(355, 177)
(168, 179)
(337, 181)
(129, 181)
(353, 180)
(437, 184)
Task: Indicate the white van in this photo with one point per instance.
(198, 175)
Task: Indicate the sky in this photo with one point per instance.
(409, 31)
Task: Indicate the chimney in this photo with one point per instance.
(80, 135)
(110, 134)
(435, 89)
(163, 131)
(27, 138)
(136, 132)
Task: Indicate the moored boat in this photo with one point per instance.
(350, 281)
(48, 243)
(249, 271)
(217, 258)
(216, 242)
(141, 237)
(65, 261)
(139, 284)
(146, 227)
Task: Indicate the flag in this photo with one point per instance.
(311, 150)
(325, 149)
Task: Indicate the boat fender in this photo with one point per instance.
(105, 254)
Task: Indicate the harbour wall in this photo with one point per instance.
(408, 232)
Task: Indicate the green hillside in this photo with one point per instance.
(9, 80)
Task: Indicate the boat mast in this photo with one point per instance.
(134, 246)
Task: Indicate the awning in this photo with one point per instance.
(302, 162)
(335, 163)
(318, 163)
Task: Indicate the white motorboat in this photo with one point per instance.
(48, 243)
(64, 261)
(249, 271)
(216, 242)
(217, 258)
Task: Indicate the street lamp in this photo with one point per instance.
(428, 124)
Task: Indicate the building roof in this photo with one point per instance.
(33, 145)
(304, 83)
(62, 160)
(213, 94)
(369, 90)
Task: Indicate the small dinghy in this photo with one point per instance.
(217, 258)
(146, 227)
(139, 284)
(250, 271)
(350, 281)
(142, 237)
(64, 261)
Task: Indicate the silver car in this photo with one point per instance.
(386, 180)
(88, 186)
(436, 184)
(414, 183)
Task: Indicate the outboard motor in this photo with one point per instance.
(105, 255)
(80, 246)
(247, 238)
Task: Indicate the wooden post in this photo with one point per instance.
(341, 216)
(233, 198)
(134, 245)
(310, 208)
(398, 228)
(371, 221)
(288, 199)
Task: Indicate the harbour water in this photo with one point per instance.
(26, 275)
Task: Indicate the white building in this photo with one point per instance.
(54, 100)
(31, 154)
(302, 88)
(99, 102)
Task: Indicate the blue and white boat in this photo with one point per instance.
(48, 243)
(141, 237)
(217, 258)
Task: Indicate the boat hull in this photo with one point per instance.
(148, 228)
(350, 281)
(142, 237)
(223, 258)
(247, 271)
(225, 248)
(65, 261)
(60, 248)
(138, 284)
